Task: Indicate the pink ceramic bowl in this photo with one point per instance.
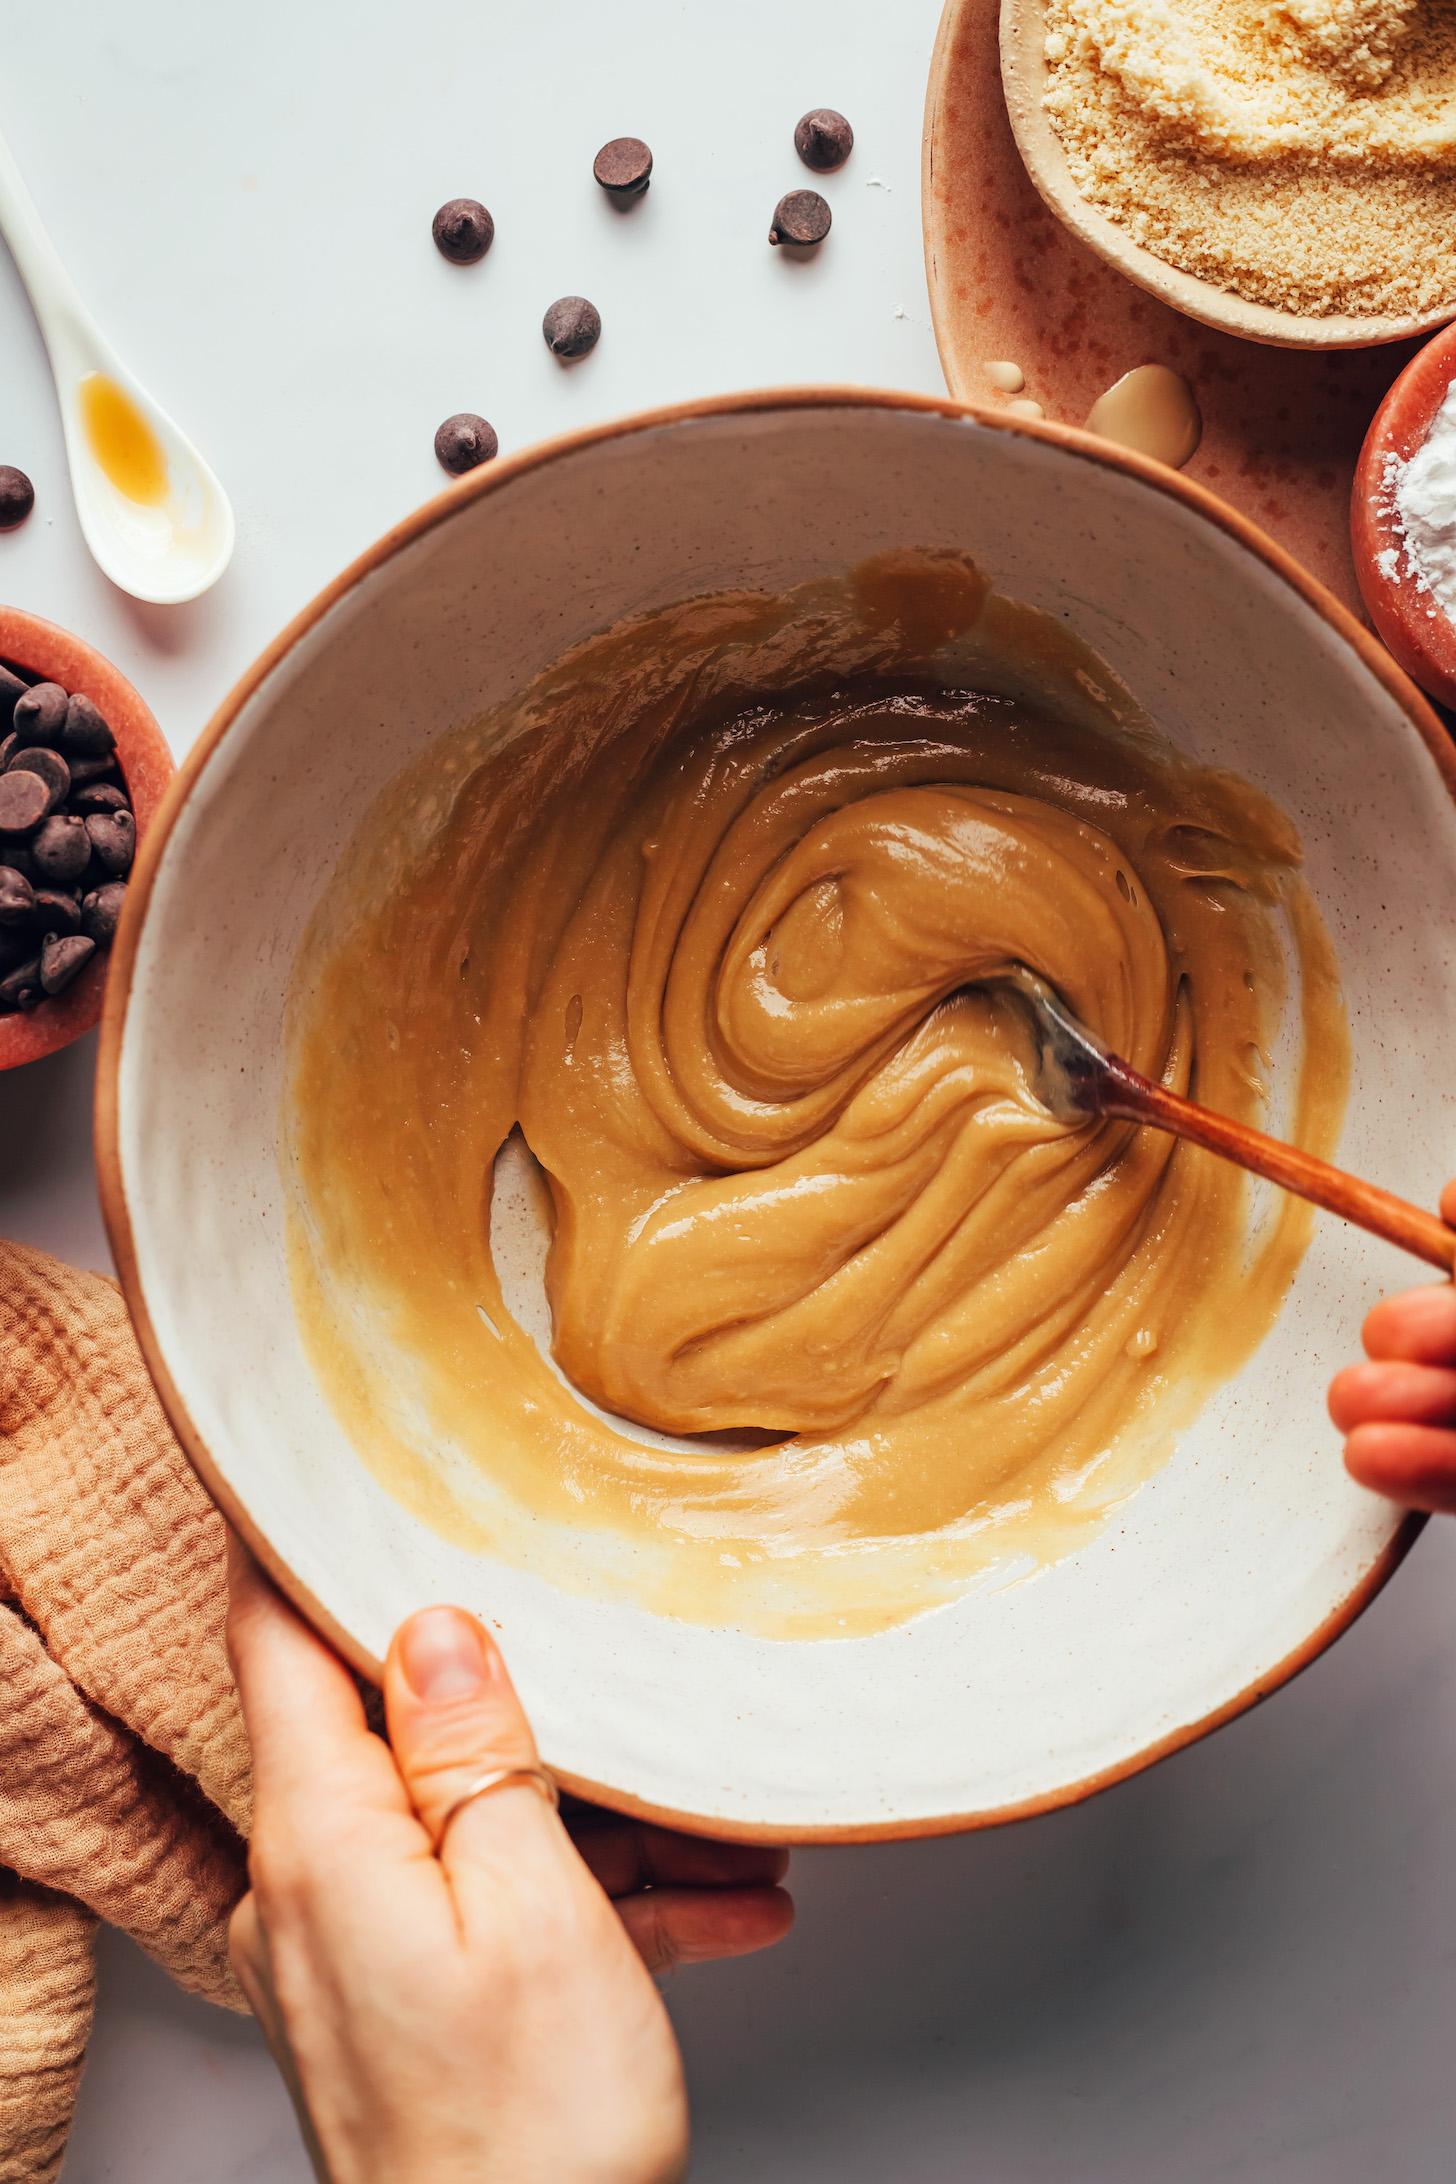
(42, 652)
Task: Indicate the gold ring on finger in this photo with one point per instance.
(499, 1778)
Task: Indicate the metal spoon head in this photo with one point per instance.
(1072, 1062)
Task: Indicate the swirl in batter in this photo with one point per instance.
(730, 963)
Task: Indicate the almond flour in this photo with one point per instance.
(1301, 153)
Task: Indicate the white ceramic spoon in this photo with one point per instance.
(159, 524)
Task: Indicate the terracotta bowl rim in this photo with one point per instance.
(35, 644)
(490, 478)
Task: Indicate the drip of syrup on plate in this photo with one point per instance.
(1152, 410)
(123, 443)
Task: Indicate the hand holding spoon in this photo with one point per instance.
(152, 512)
(1079, 1079)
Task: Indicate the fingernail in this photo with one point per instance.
(444, 1654)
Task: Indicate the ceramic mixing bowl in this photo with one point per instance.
(1210, 1586)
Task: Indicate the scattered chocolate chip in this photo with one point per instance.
(17, 897)
(62, 958)
(17, 496)
(113, 839)
(57, 911)
(823, 139)
(40, 713)
(101, 912)
(463, 442)
(624, 168)
(61, 888)
(802, 219)
(463, 230)
(98, 796)
(85, 732)
(572, 327)
(40, 759)
(21, 989)
(62, 849)
(91, 769)
(24, 802)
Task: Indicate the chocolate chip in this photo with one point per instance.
(21, 989)
(101, 912)
(17, 897)
(98, 796)
(17, 496)
(61, 960)
(40, 713)
(62, 849)
(823, 139)
(463, 442)
(572, 327)
(802, 218)
(91, 769)
(624, 168)
(113, 838)
(11, 688)
(85, 732)
(8, 750)
(463, 230)
(24, 802)
(19, 859)
(57, 911)
(48, 765)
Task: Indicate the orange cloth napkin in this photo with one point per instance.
(124, 1783)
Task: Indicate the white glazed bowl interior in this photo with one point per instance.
(1223, 1574)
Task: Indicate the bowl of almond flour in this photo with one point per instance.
(1284, 169)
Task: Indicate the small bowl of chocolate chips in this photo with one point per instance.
(82, 768)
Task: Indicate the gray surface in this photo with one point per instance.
(1237, 1968)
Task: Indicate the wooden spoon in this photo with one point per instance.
(1079, 1078)
(1024, 80)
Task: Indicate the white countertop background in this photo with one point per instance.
(1241, 1966)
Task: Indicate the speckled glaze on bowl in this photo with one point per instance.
(1007, 279)
(50, 654)
(1227, 1573)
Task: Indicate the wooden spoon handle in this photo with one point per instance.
(1136, 1099)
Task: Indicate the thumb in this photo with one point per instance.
(453, 1716)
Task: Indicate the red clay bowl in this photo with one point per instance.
(44, 653)
(1417, 632)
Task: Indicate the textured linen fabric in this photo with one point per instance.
(46, 1989)
(125, 1791)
